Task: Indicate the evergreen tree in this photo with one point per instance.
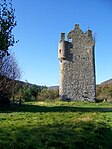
(34, 91)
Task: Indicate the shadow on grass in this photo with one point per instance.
(78, 135)
(36, 108)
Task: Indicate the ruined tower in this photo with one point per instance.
(77, 66)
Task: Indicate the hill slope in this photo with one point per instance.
(107, 82)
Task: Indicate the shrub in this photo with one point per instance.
(47, 94)
(104, 92)
(30, 92)
(26, 93)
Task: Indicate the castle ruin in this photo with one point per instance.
(77, 66)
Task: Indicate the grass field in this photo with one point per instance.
(56, 125)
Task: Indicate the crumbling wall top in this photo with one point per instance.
(77, 34)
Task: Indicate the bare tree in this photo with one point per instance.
(10, 73)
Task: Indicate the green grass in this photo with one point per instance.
(56, 125)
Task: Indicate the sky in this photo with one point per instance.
(39, 24)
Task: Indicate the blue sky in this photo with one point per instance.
(39, 24)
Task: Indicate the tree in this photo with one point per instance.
(7, 23)
(30, 92)
(9, 74)
(26, 93)
(34, 91)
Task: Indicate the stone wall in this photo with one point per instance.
(77, 66)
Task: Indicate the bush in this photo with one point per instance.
(26, 94)
(104, 92)
(30, 93)
(47, 94)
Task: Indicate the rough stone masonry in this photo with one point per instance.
(77, 66)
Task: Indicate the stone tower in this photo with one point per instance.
(77, 66)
